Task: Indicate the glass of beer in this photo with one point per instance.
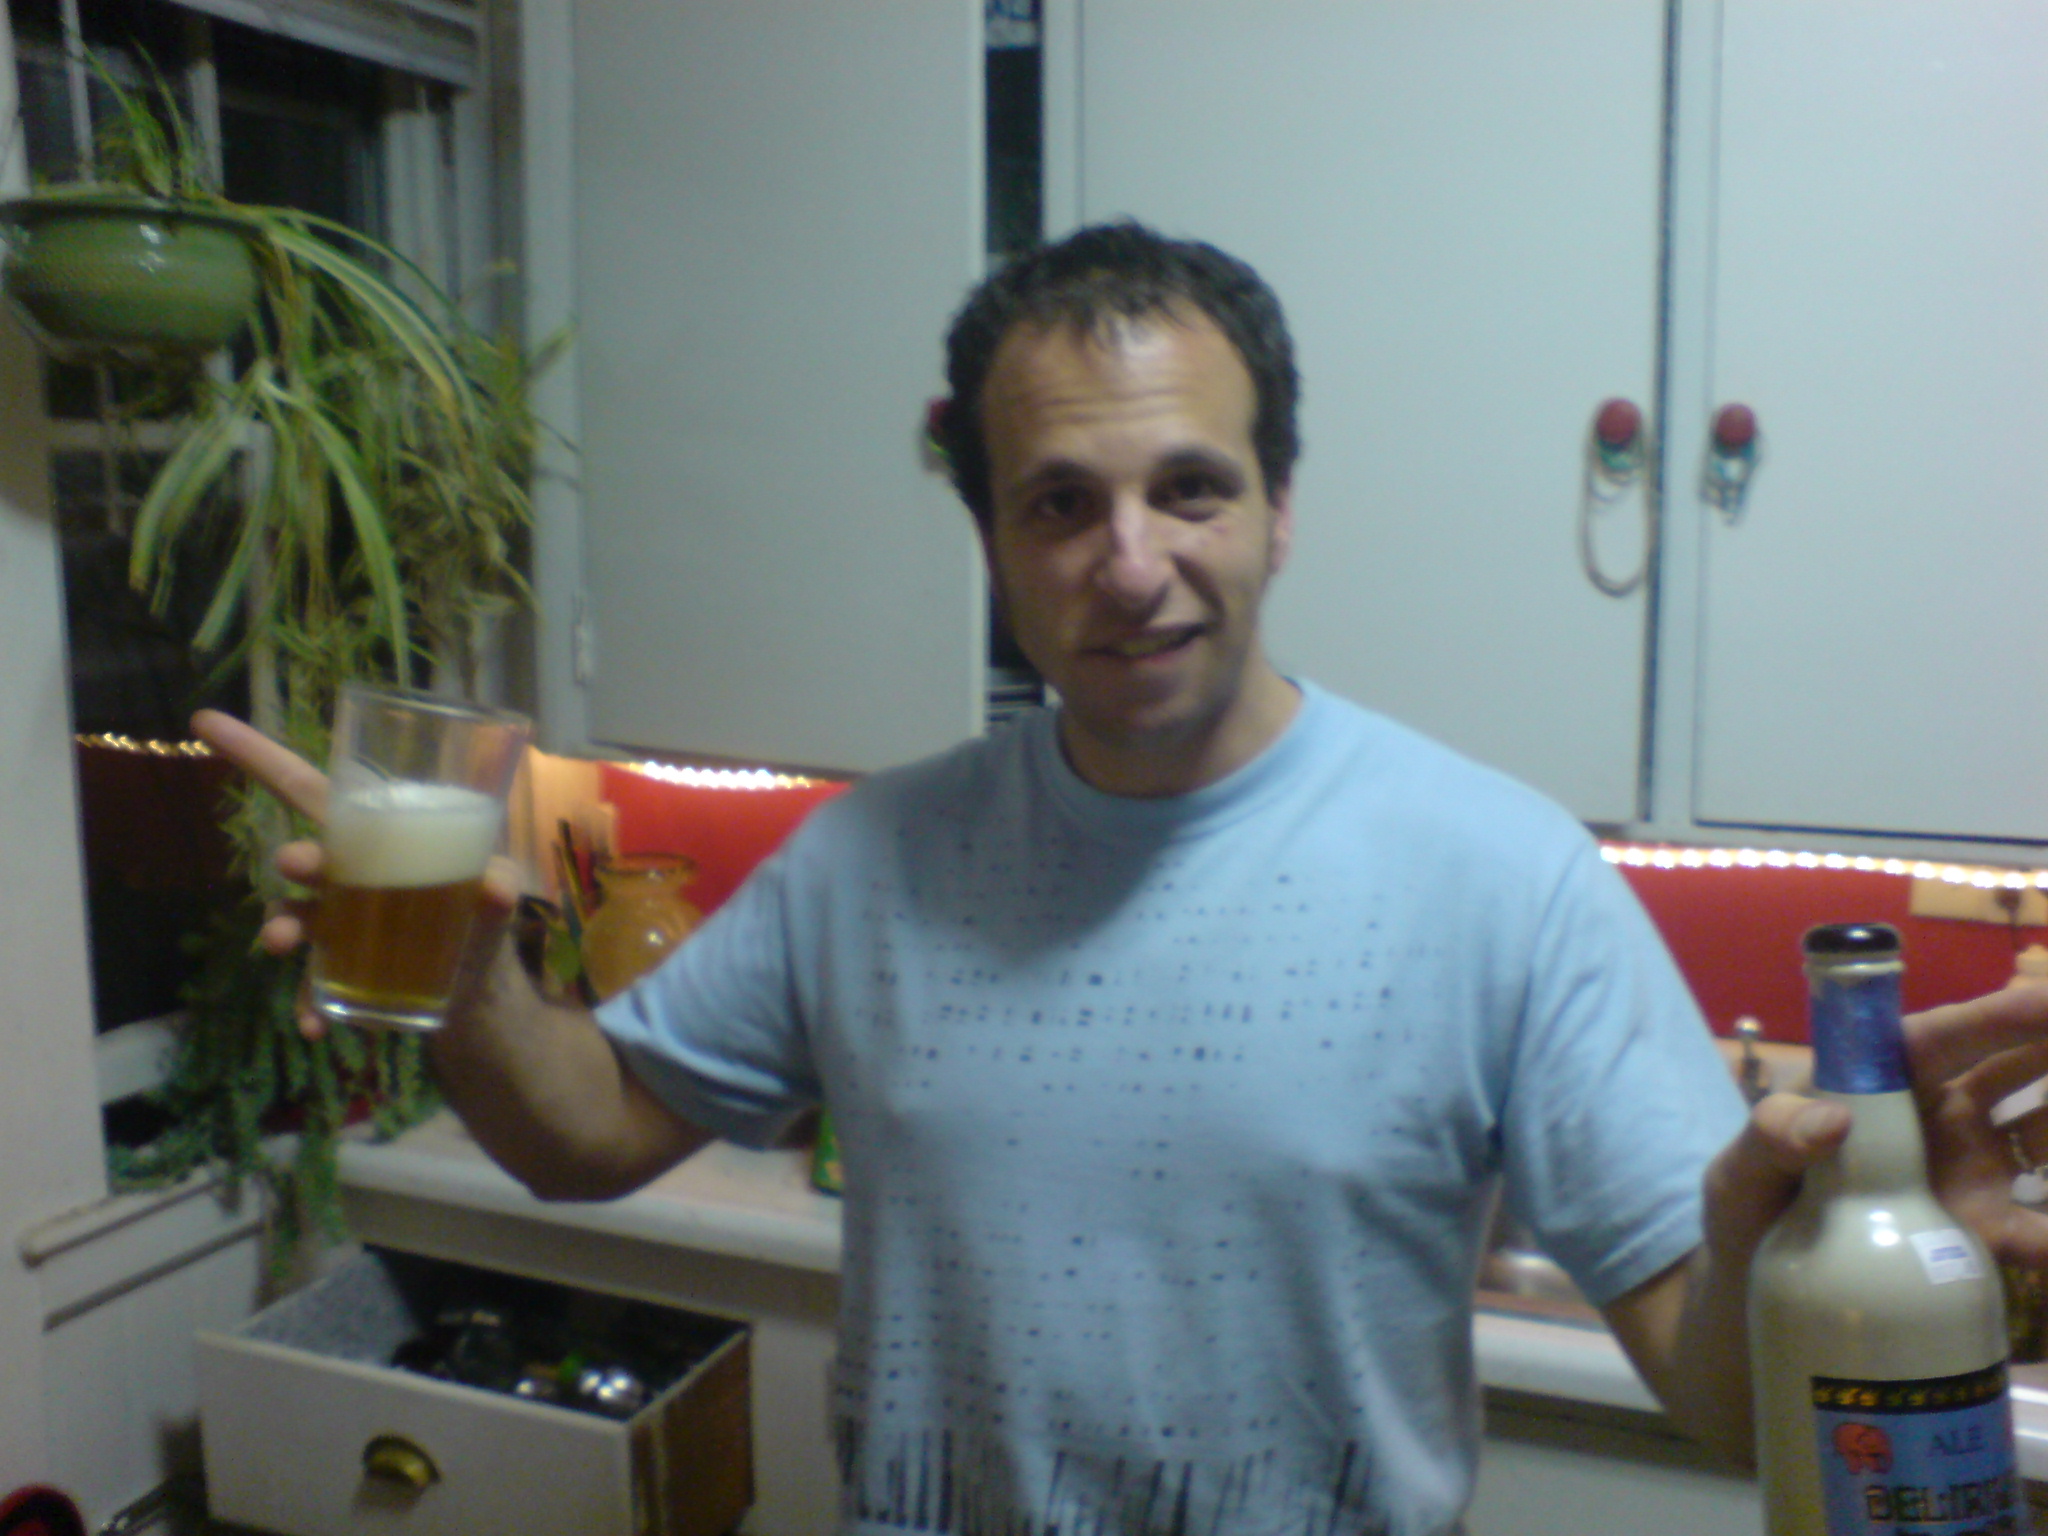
(415, 803)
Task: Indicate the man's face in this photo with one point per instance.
(1130, 543)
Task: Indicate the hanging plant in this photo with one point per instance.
(366, 467)
(143, 261)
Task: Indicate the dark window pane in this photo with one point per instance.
(299, 126)
(292, 163)
(1015, 151)
(40, 21)
(146, 27)
(133, 672)
(154, 859)
(47, 137)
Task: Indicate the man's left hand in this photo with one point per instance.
(1686, 1328)
(1965, 1058)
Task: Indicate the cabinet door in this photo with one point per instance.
(1459, 207)
(775, 207)
(1873, 644)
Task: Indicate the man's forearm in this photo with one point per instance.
(545, 1094)
(1687, 1333)
(1687, 1330)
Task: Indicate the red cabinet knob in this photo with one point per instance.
(1734, 428)
(1617, 423)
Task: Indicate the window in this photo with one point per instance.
(322, 128)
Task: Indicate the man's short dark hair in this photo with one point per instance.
(1092, 281)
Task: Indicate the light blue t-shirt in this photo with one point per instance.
(1171, 1127)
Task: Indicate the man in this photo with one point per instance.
(1179, 1040)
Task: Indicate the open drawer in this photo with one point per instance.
(310, 1430)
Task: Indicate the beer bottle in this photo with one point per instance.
(1876, 1322)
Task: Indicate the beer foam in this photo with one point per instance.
(398, 833)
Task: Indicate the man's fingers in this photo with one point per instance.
(1946, 1042)
(1791, 1134)
(311, 1025)
(1756, 1177)
(301, 862)
(501, 885)
(2027, 1138)
(277, 768)
(282, 932)
(2001, 1075)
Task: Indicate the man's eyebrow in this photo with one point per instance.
(1051, 472)
(1196, 457)
(1063, 471)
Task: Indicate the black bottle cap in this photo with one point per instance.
(1857, 941)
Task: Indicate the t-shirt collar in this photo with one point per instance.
(1237, 793)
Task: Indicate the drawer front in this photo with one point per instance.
(284, 1434)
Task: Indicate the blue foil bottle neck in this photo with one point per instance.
(1859, 1045)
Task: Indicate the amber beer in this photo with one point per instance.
(403, 865)
(415, 801)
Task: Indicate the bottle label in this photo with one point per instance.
(1857, 1044)
(1918, 1458)
(1945, 1254)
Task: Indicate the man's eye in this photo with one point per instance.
(1192, 487)
(1061, 504)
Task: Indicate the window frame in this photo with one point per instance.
(435, 148)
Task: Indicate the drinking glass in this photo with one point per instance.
(415, 804)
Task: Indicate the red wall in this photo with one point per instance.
(1734, 932)
(727, 831)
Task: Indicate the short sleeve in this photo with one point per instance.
(1617, 1098)
(715, 1032)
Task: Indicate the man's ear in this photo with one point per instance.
(1282, 542)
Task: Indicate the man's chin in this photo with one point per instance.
(1141, 726)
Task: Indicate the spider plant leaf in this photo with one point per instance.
(233, 585)
(408, 326)
(546, 354)
(347, 238)
(373, 540)
(193, 469)
(298, 489)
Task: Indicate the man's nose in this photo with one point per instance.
(1136, 562)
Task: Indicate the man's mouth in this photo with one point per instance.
(1153, 642)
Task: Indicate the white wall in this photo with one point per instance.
(49, 1128)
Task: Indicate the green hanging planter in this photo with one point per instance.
(117, 274)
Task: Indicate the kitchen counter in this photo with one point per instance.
(744, 1233)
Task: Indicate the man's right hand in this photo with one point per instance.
(538, 1085)
(303, 787)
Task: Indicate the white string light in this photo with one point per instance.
(666, 773)
(1984, 877)
(720, 778)
(1634, 855)
(115, 743)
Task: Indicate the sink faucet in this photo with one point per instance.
(1752, 1077)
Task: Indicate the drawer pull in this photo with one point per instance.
(396, 1460)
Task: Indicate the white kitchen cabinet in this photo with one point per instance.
(1459, 208)
(1872, 653)
(1485, 220)
(758, 219)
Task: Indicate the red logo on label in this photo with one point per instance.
(1863, 1447)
